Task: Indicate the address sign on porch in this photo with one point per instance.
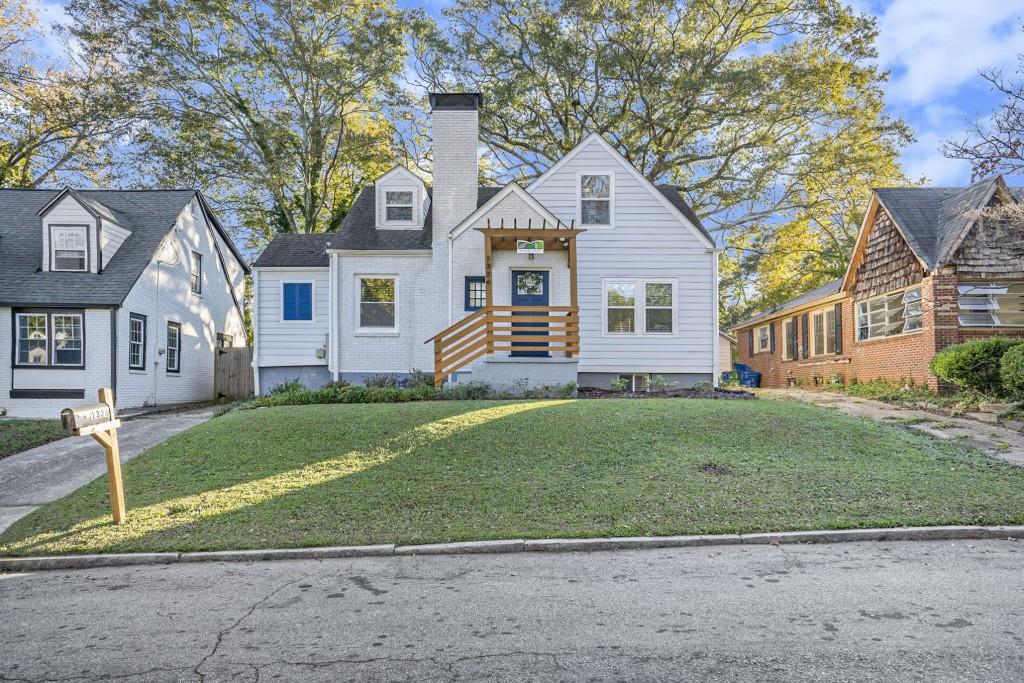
(528, 247)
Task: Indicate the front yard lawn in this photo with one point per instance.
(20, 435)
(454, 470)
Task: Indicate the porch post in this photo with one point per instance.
(488, 280)
(572, 283)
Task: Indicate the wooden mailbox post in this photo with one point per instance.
(100, 422)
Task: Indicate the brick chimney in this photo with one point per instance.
(456, 131)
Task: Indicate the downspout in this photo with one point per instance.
(113, 352)
(451, 265)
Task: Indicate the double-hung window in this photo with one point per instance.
(991, 304)
(476, 292)
(889, 315)
(398, 206)
(68, 247)
(49, 340)
(136, 341)
(640, 306)
(789, 348)
(763, 337)
(197, 273)
(595, 199)
(297, 301)
(824, 325)
(378, 307)
(173, 347)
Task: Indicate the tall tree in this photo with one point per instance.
(764, 112)
(995, 144)
(272, 106)
(60, 113)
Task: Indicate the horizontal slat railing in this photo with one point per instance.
(492, 329)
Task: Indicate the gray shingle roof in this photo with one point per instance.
(149, 214)
(933, 218)
(359, 232)
(827, 289)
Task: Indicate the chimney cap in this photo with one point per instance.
(455, 101)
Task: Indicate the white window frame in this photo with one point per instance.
(141, 344)
(54, 229)
(611, 200)
(864, 306)
(53, 340)
(639, 306)
(168, 326)
(18, 340)
(988, 292)
(767, 339)
(312, 295)
(787, 339)
(194, 277)
(358, 298)
(824, 313)
(631, 376)
(412, 205)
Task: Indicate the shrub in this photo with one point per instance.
(389, 380)
(974, 365)
(1011, 371)
(620, 384)
(704, 385)
(291, 386)
(350, 393)
(659, 383)
(467, 392)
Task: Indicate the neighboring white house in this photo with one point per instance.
(126, 289)
(588, 274)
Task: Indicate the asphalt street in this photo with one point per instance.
(909, 611)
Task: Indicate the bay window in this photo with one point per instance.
(991, 304)
(889, 314)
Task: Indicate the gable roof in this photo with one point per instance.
(148, 214)
(296, 250)
(673, 204)
(496, 198)
(827, 289)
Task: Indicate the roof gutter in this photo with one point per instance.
(784, 312)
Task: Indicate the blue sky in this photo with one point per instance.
(934, 50)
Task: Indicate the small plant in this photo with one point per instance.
(704, 385)
(659, 383)
(417, 378)
(836, 379)
(384, 381)
(289, 387)
(470, 391)
(620, 384)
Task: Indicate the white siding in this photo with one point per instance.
(95, 375)
(163, 293)
(69, 212)
(290, 342)
(385, 352)
(648, 241)
(112, 236)
(400, 180)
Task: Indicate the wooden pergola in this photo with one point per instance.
(506, 239)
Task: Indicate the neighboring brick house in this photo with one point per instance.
(927, 271)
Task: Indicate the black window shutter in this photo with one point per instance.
(839, 328)
(771, 337)
(804, 335)
(750, 342)
(794, 343)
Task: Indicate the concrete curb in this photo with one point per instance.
(921, 533)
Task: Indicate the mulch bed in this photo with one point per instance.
(719, 393)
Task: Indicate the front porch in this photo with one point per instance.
(523, 329)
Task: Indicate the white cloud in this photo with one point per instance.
(933, 47)
(49, 44)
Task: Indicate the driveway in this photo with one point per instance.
(910, 611)
(51, 471)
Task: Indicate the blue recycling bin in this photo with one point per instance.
(748, 377)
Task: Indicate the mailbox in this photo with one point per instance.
(73, 419)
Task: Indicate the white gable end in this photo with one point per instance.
(401, 200)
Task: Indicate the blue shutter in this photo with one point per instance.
(305, 301)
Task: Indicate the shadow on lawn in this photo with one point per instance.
(229, 499)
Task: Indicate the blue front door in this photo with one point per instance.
(530, 288)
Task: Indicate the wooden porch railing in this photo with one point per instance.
(494, 329)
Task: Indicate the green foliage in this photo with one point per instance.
(620, 384)
(975, 364)
(704, 385)
(289, 387)
(909, 394)
(351, 393)
(659, 383)
(20, 435)
(1011, 371)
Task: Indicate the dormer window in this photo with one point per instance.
(398, 206)
(68, 247)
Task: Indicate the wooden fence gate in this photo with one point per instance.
(232, 372)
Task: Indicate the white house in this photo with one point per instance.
(588, 274)
(132, 290)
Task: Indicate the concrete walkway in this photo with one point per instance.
(51, 471)
(995, 440)
(935, 611)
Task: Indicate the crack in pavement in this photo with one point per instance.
(229, 629)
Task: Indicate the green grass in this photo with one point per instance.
(444, 471)
(20, 435)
